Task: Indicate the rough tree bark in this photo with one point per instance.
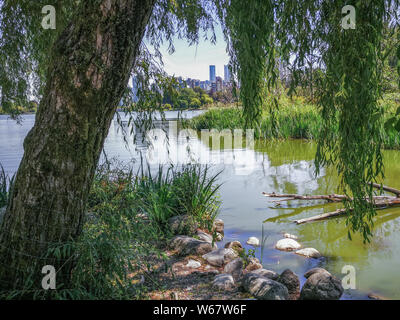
(89, 68)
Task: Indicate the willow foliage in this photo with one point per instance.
(261, 35)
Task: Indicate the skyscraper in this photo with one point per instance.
(227, 74)
(212, 74)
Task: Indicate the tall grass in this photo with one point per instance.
(295, 118)
(187, 190)
(125, 233)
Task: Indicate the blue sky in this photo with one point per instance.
(193, 61)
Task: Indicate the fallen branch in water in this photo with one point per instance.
(379, 202)
(386, 188)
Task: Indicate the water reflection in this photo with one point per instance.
(249, 170)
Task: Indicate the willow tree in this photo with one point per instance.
(81, 69)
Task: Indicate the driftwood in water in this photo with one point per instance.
(386, 188)
(379, 202)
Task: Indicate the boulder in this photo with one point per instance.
(193, 264)
(235, 245)
(223, 282)
(291, 281)
(204, 236)
(183, 224)
(287, 245)
(309, 253)
(235, 268)
(253, 264)
(263, 288)
(290, 236)
(321, 285)
(185, 245)
(219, 236)
(315, 270)
(253, 241)
(220, 257)
(218, 226)
(267, 274)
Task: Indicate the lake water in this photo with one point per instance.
(249, 170)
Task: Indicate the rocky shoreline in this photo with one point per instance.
(198, 269)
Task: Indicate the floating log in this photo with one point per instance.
(379, 202)
(323, 216)
(386, 188)
(330, 198)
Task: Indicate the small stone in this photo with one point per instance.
(223, 282)
(235, 245)
(253, 264)
(253, 241)
(193, 264)
(315, 270)
(291, 281)
(185, 245)
(218, 226)
(290, 236)
(204, 236)
(267, 273)
(309, 253)
(220, 257)
(287, 245)
(321, 286)
(235, 268)
(219, 236)
(263, 288)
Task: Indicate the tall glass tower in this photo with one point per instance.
(227, 75)
(212, 74)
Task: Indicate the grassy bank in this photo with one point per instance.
(295, 118)
(126, 230)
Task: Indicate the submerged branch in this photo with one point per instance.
(379, 202)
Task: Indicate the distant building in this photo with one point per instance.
(227, 74)
(212, 73)
(219, 84)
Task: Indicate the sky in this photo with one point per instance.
(194, 61)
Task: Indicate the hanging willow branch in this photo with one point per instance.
(350, 61)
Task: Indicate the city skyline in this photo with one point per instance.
(193, 61)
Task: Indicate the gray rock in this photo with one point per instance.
(204, 236)
(263, 288)
(291, 281)
(235, 268)
(315, 270)
(220, 257)
(267, 274)
(290, 236)
(219, 236)
(223, 282)
(235, 245)
(287, 245)
(309, 253)
(218, 226)
(253, 264)
(185, 245)
(253, 241)
(193, 264)
(321, 286)
(183, 224)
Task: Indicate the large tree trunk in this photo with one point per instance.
(89, 69)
